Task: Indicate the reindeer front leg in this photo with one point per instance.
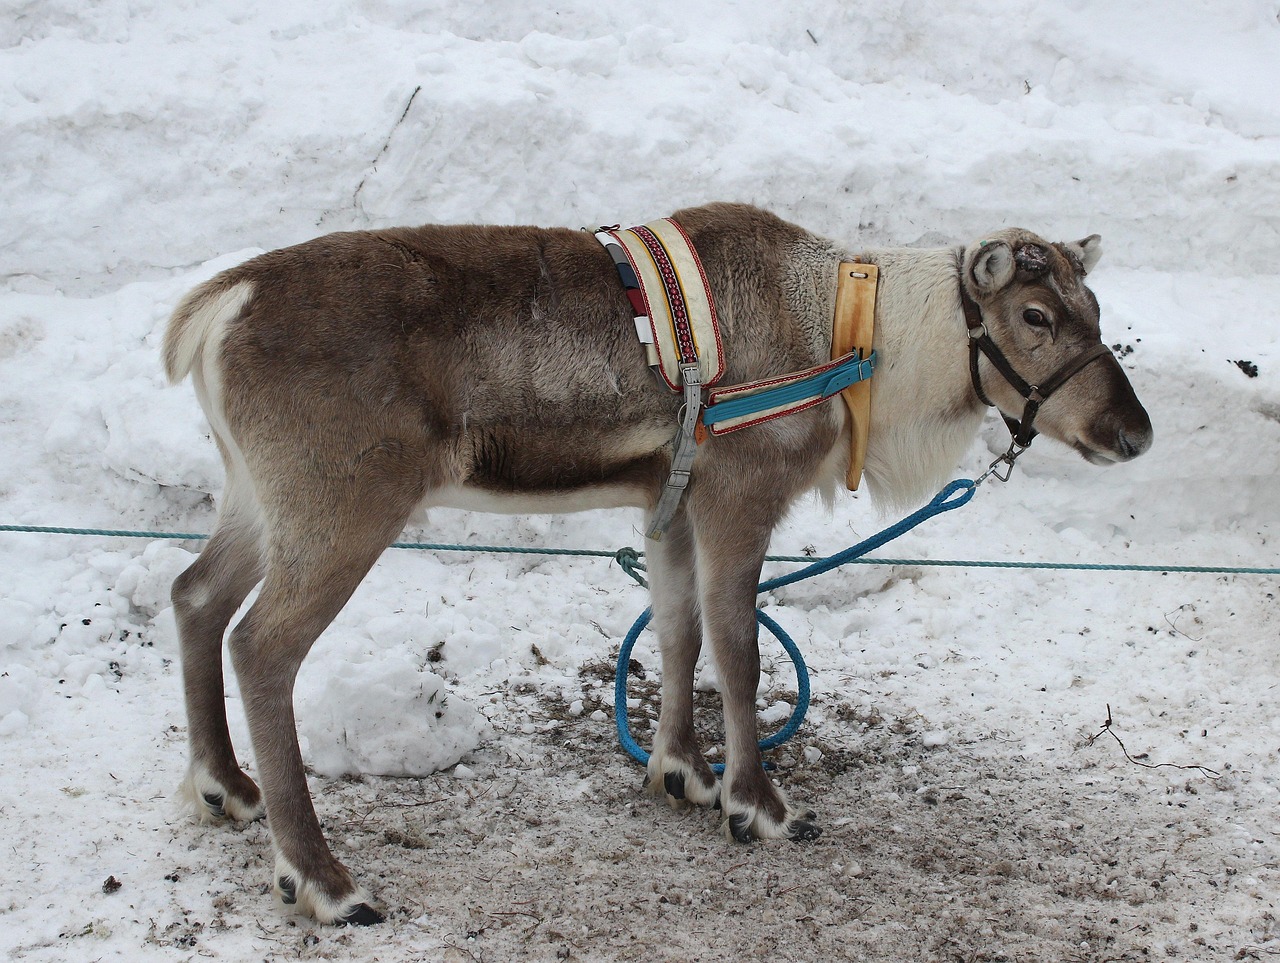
(731, 546)
(678, 770)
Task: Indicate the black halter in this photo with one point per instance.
(979, 340)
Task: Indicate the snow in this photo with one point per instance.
(148, 145)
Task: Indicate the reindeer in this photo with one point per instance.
(356, 379)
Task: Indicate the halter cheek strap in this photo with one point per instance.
(1035, 395)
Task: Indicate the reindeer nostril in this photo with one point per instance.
(1131, 445)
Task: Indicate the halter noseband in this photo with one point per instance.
(1035, 395)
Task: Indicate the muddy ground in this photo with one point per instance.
(549, 850)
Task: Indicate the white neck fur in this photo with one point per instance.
(924, 414)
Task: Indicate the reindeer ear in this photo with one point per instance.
(1088, 251)
(993, 266)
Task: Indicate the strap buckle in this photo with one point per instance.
(679, 478)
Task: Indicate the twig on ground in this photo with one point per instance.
(1106, 727)
(532, 916)
(378, 807)
(1181, 609)
(463, 949)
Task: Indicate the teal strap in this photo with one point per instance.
(819, 387)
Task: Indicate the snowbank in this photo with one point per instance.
(147, 137)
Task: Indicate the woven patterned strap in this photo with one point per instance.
(670, 295)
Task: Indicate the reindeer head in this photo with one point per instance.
(1038, 311)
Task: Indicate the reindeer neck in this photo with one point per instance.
(923, 412)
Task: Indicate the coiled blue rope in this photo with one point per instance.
(958, 493)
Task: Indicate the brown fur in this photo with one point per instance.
(357, 377)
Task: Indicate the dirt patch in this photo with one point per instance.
(967, 852)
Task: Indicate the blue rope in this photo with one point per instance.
(961, 489)
(621, 716)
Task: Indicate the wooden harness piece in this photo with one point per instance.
(853, 329)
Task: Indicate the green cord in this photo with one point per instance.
(629, 558)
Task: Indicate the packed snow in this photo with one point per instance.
(457, 716)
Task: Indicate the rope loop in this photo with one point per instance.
(955, 494)
(622, 713)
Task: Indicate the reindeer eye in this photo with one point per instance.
(1035, 317)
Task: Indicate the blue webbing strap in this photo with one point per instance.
(820, 386)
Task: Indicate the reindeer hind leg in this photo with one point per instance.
(205, 597)
(314, 563)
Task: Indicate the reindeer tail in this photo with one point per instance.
(199, 320)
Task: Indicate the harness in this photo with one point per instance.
(677, 324)
(1021, 431)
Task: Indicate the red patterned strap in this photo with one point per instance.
(675, 298)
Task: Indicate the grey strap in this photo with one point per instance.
(686, 446)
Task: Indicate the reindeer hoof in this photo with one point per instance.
(235, 798)
(740, 828)
(673, 782)
(288, 890)
(803, 831)
(362, 915)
